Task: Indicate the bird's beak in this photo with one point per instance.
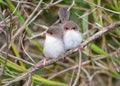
(70, 28)
(44, 33)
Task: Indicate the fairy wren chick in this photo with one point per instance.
(54, 45)
(72, 36)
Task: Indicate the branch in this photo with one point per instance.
(89, 40)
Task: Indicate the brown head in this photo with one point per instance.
(70, 25)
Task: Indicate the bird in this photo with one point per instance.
(54, 46)
(72, 36)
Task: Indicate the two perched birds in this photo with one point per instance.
(62, 36)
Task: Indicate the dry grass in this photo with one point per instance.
(21, 43)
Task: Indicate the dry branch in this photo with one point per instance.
(89, 40)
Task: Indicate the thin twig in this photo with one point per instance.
(72, 77)
(79, 68)
(102, 7)
(38, 35)
(16, 58)
(7, 48)
(21, 42)
(73, 3)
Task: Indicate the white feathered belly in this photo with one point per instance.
(72, 39)
(53, 47)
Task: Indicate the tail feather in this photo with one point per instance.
(64, 14)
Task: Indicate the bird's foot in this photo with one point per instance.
(44, 61)
(81, 47)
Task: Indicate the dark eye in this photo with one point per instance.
(66, 28)
(50, 33)
(73, 28)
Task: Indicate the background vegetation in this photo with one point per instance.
(21, 20)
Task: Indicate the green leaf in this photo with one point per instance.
(97, 49)
(2, 2)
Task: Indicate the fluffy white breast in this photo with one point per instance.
(53, 47)
(72, 39)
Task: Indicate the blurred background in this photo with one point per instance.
(22, 23)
